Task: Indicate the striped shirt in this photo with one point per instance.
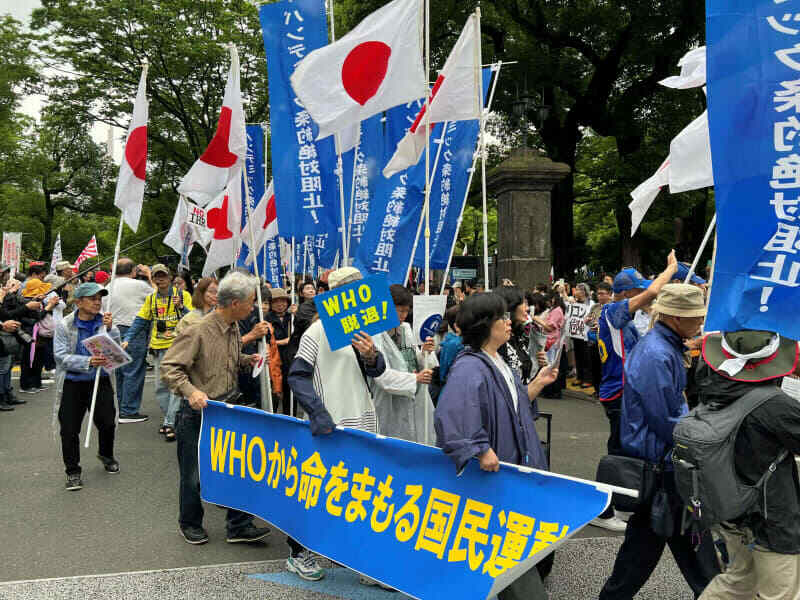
(338, 381)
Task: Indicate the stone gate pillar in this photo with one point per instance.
(523, 185)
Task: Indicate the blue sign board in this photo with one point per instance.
(362, 306)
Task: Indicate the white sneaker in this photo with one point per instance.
(622, 515)
(364, 580)
(305, 565)
(612, 524)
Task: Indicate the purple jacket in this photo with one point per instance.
(476, 412)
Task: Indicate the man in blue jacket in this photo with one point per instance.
(652, 403)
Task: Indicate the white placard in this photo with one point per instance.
(428, 315)
(196, 216)
(575, 320)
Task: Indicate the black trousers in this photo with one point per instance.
(75, 402)
(641, 552)
(583, 362)
(30, 377)
(597, 367)
(614, 446)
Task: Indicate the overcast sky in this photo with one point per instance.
(21, 10)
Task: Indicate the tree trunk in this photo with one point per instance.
(47, 223)
(630, 256)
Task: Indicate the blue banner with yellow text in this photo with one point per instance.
(753, 58)
(387, 508)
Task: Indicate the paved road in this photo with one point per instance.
(128, 522)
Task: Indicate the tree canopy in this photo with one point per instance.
(589, 71)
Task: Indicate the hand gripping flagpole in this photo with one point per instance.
(702, 248)
(469, 183)
(103, 328)
(483, 152)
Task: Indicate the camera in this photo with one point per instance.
(25, 337)
(161, 326)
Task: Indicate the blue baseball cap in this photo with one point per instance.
(683, 271)
(89, 289)
(630, 279)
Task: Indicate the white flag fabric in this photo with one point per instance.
(57, 256)
(181, 234)
(693, 71)
(130, 183)
(690, 158)
(225, 155)
(376, 66)
(348, 138)
(646, 192)
(263, 224)
(455, 97)
(226, 223)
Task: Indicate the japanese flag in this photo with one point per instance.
(130, 183)
(226, 152)
(262, 226)
(226, 223)
(374, 67)
(455, 97)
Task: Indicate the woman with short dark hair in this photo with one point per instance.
(515, 351)
(485, 411)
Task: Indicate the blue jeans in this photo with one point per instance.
(168, 401)
(130, 378)
(191, 509)
(6, 391)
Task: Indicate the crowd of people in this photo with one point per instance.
(475, 384)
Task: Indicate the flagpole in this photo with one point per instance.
(469, 183)
(353, 187)
(103, 330)
(483, 156)
(427, 199)
(427, 206)
(339, 164)
(294, 272)
(702, 248)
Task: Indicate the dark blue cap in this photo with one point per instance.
(630, 279)
(683, 271)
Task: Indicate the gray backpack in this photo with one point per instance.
(705, 468)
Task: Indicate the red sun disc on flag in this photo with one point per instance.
(217, 219)
(136, 151)
(364, 70)
(271, 212)
(218, 153)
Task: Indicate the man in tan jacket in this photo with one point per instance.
(203, 362)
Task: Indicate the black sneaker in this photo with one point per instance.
(134, 418)
(110, 464)
(74, 483)
(29, 390)
(250, 533)
(194, 535)
(5, 407)
(15, 401)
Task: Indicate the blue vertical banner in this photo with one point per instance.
(753, 65)
(362, 172)
(306, 188)
(449, 185)
(395, 210)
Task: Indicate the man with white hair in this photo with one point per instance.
(203, 362)
(332, 388)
